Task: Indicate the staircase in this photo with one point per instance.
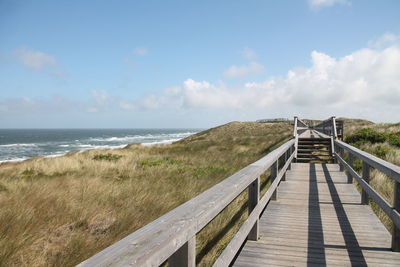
(314, 150)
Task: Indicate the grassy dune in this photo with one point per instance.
(60, 211)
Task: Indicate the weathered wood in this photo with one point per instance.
(396, 228)
(341, 153)
(274, 173)
(334, 127)
(234, 245)
(254, 196)
(349, 176)
(185, 256)
(382, 203)
(312, 233)
(387, 168)
(284, 159)
(365, 177)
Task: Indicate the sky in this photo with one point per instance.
(196, 64)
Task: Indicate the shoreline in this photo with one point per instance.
(161, 142)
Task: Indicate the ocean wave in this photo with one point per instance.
(143, 137)
(19, 145)
(163, 142)
(88, 147)
(14, 160)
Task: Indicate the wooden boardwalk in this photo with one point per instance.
(318, 220)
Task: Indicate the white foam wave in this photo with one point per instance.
(87, 147)
(18, 145)
(163, 142)
(143, 137)
(14, 160)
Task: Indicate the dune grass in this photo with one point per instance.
(60, 211)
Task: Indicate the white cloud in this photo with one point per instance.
(248, 53)
(318, 4)
(34, 60)
(385, 40)
(101, 101)
(365, 83)
(241, 71)
(141, 51)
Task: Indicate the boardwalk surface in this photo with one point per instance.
(316, 221)
(308, 133)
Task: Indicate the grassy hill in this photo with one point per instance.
(60, 211)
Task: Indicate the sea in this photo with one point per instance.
(21, 144)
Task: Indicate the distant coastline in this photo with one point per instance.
(21, 144)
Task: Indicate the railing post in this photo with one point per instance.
(365, 177)
(396, 207)
(285, 157)
(254, 196)
(289, 152)
(185, 256)
(349, 177)
(341, 153)
(274, 174)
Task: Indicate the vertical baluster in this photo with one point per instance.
(185, 256)
(365, 177)
(274, 173)
(284, 162)
(396, 206)
(254, 196)
(349, 177)
(341, 153)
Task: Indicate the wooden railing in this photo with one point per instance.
(172, 237)
(369, 161)
(327, 127)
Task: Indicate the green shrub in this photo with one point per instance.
(394, 139)
(108, 157)
(366, 135)
(158, 162)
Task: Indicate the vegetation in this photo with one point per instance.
(383, 141)
(108, 157)
(60, 211)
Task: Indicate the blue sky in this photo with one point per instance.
(134, 64)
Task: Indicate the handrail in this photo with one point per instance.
(172, 236)
(302, 123)
(391, 170)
